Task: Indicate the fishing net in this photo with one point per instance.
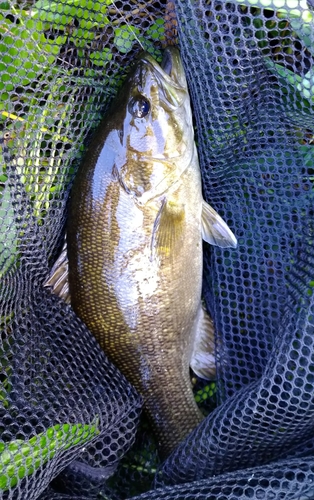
(70, 422)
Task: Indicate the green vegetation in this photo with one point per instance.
(19, 458)
(294, 20)
(51, 56)
(206, 393)
(58, 69)
(297, 9)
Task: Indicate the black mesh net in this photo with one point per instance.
(69, 421)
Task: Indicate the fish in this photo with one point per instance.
(132, 265)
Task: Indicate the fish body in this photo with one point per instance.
(134, 235)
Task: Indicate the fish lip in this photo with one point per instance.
(170, 72)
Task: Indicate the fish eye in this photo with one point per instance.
(139, 107)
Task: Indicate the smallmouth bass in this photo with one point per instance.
(134, 242)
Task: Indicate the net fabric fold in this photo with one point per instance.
(61, 376)
(284, 479)
(260, 295)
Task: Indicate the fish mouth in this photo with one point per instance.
(170, 74)
(171, 65)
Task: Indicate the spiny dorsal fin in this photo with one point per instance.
(58, 279)
(214, 229)
(168, 229)
(203, 356)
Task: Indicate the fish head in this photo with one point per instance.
(156, 131)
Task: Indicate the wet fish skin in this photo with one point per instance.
(134, 238)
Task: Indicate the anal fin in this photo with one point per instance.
(203, 356)
(214, 229)
(58, 279)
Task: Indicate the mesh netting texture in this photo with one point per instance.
(68, 416)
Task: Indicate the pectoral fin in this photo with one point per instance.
(203, 356)
(214, 229)
(58, 280)
(168, 229)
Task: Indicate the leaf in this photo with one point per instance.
(291, 8)
(291, 77)
(305, 84)
(305, 32)
(61, 14)
(100, 58)
(21, 458)
(26, 53)
(296, 11)
(124, 37)
(80, 37)
(56, 12)
(157, 30)
(8, 233)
